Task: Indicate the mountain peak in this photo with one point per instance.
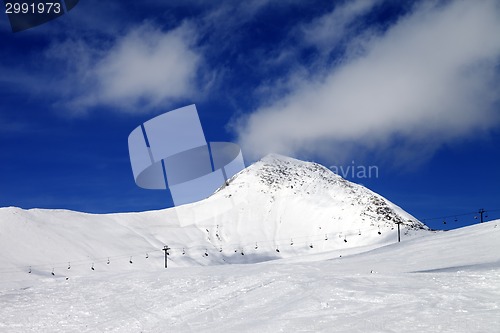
(278, 180)
(278, 159)
(273, 157)
(280, 172)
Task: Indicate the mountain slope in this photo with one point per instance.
(280, 199)
(278, 207)
(446, 282)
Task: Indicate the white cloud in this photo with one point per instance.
(145, 68)
(148, 64)
(429, 79)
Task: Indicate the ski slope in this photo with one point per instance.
(286, 246)
(443, 282)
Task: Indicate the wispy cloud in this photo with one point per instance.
(135, 72)
(102, 60)
(430, 78)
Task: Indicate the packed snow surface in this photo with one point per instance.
(444, 282)
(285, 246)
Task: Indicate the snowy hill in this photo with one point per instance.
(278, 207)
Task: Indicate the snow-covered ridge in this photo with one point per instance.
(278, 207)
(284, 176)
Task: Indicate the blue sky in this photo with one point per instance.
(410, 87)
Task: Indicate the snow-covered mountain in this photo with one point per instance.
(277, 207)
(66, 271)
(280, 200)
